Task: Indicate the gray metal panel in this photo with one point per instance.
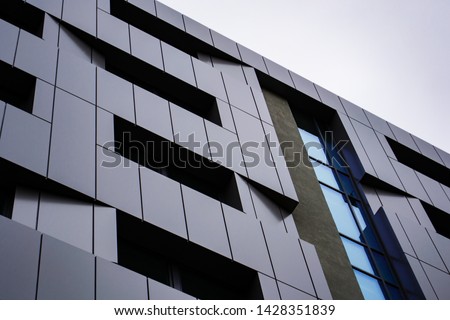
(72, 152)
(444, 156)
(169, 15)
(65, 272)
(146, 5)
(443, 247)
(330, 99)
(105, 129)
(31, 134)
(189, 131)
(421, 242)
(280, 162)
(410, 180)
(287, 259)
(399, 232)
(315, 269)
(355, 112)
(105, 232)
(69, 42)
(205, 222)
(278, 72)
(422, 279)
(386, 147)
(115, 95)
(153, 113)
(261, 105)
(244, 194)
(36, 57)
(113, 31)
(440, 281)
(197, 30)
(379, 124)
(105, 5)
(178, 63)
(240, 95)
(224, 44)
(372, 197)
(162, 202)
(403, 137)
(159, 291)
(26, 202)
(427, 150)
(252, 58)
(209, 79)
(225, 148)
(250, 77)
(304, 86)
(66, 219)
(118, 182)
(114, 282)
(260, 166)
(8, 38)
(146, 47)
(247, 240)
(230, 68)
(76, 76)
(269, 287)
(435, 192)
(266, 210)
(50, 32)
(43, 100)
(19, 252)
(421, 214)
(290, 293)
(226, 118)
(81, 14)
(54, 7)
(446, 190)
(376, 154)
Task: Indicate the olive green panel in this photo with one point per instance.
(312, 216)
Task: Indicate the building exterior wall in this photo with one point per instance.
(142, 158)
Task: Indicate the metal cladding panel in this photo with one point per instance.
(252, 58)
(65, 273)
(162, 202)
(403, 137)
(114, 282)
(178, 63)
(304, 86)
(53, 7)
(224, 44)
(209, 79)
(379, 124)
(25, 210)
(278, 72)
(8, 38)
(355, 112)
(269, 287)
(197, 30)
(146, 5)
(427, 150)
(422, 278)
(330, 99)
(146, 47)
(72, 151)
(43, 100)
(440, 281)
(159, 291)
(435, 192)
(113, 31)
(34, 141)
(19, 252)
(105, 232)
(169, 15)
(81, 14)
(240, 95)
(409, 179)
(290, 293)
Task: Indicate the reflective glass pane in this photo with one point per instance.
(313, 146)
(341, 213)
(366, 229)
(325, 174)
(370, 287)
(357, 255)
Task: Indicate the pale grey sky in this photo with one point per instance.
(391, 57)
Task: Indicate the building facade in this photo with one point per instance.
(145, 156)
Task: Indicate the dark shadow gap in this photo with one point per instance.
(23, 15)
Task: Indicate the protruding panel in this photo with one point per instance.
(287, 259)
(162, 202)
(427, 150)
(105, 232)
(250, 77)
(114, 282)
(278, 72)
(54, 7)
(72, 153)
(43, 100)
(69, 42)
(444, 156)
(244, 194)
(330, 99)
(266, 210)
(115, 95)
(65, 272)
(247, 240)
(26, 202)
(105, 5)
(209, 80)
(153, 113)
(443, 246)
(304, 86)
(81, 14)
(233, 69)
(19, 252)
(225, 44)
(205, 222)
(403, 137)
(269, 287)
(66, 219)
(146, 47)
(252, 58)
(31, 134)
(146, 5)
(36, 57)
(178, 63)
(440, 281)
(290, 293)
(113, 31)
(409, 179)
(421, 214)
(422, 279)
(355, 112)
(226, 118)
(197, 30)
(261, 105)
(169, 15)
(386, 146)
(50, 32)
(105, 129)
(435, 192)
(379, 124)
(159, 291)
(240, 95)
(8, 38)
(118, 182)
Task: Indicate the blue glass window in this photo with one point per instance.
(325, 174)
(313, 146)
(357, 255)
(370, 287)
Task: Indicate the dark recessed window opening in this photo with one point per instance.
(7, 201)
(183, 265)
(420, 163)
(439, 219)
(178, 163)
(17, 87)
(23, 15)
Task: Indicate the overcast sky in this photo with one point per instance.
(391, 57)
